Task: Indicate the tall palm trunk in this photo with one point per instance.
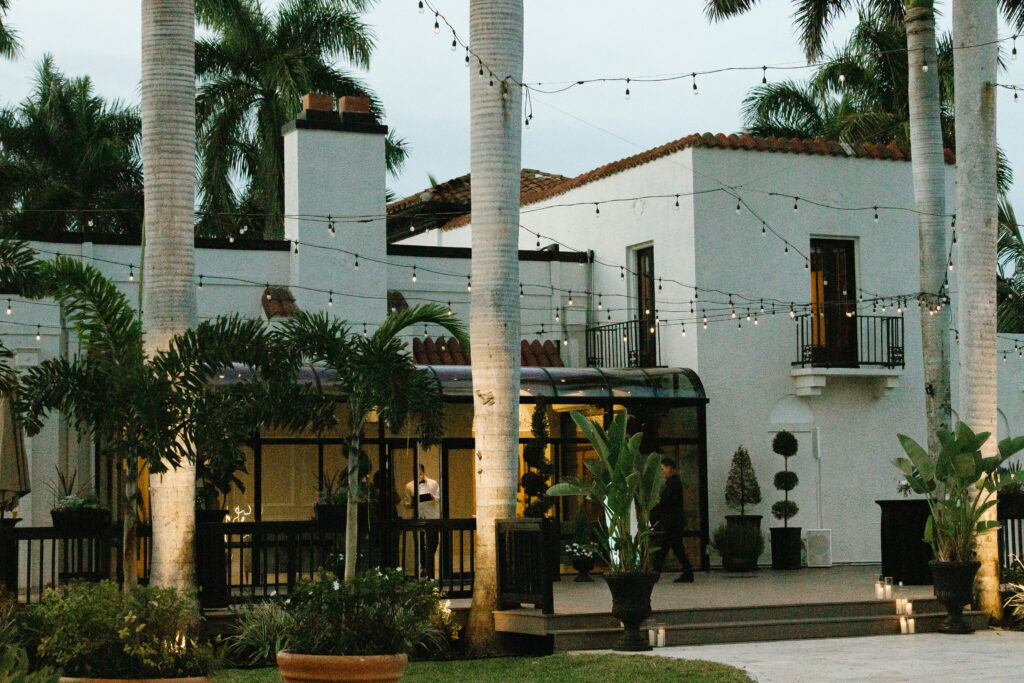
(930, 201)
(974, 71)
(496, 36)
(168, 292)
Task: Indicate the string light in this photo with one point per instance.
(437, 25)
(558, 315)
(597, 209)
(131, 273)
(421, 7)
(951, 263)
(570, 297)
(694, 74)
(364, 330)
(8, 307)
(268, 291)
(924, 60)
(764, 75)
(796, 206)
(455, 42)
(842, 79)
(469, 284)
(876, 214)
(677, 201)
(520, 290)
(357, 262)
(738, 202)
(38, 333)
(414, 273)
(599, 304)
(627, 88)
(330, 298)
(201, 284)
(330, 224)
(1013, 52)
(764, 228)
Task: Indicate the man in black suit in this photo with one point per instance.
(669, 521)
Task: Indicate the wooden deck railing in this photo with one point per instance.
(527, 562)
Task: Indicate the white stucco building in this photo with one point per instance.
(651, 242)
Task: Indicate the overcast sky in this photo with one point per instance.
(424, 86)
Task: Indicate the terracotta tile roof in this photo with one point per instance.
(743, 141)
(447, 351)
(437, 205)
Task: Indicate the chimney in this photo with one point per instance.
(334, 189)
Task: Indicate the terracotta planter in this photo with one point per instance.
(379, 668)
(631, 604)
(954, 587)
(583, 565)
(191, 679)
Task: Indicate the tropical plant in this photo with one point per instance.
(785, 444)
(372, 372)
(496, 34)
(10, 620)
(69, 161)
(262, 631)
(15, 667)
(253, 68)
(68, 496)
(960, 484)
(741, 487)
(623, 481)
(98, 631)
(375, 613)
(539, 469)
(10, 46)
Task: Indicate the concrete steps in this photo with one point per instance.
(733, 624)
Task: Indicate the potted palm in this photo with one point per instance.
(960, 486)
(742, 490)
(625, 483)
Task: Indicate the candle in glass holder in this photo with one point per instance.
(908, 607)
(888, 588)
(652, 637)
(910, 625)
(903, 625)
(879, 590)
(661, 637)
(899, 605)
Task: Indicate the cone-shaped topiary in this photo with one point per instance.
(537, 477)
(785, 444)
(741, 487)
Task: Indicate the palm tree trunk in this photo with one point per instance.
(496, 37)
(930, 201)
(975, 24)
(168, 292)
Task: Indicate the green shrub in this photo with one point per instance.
(14, 668)
(738, 540)
(263, 630)
(10, 621)
(741, 487)
(785, 509)
(785, 444)
(375, 613)
(786, 481)
(98, 631)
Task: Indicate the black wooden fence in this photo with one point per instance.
(527, 562)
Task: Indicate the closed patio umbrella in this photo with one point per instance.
(13, 464)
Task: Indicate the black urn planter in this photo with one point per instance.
(583, 565)
(786, 547)
(743, 521)
(954, 587)
(631, 604)
(83, 522)
(905, 555)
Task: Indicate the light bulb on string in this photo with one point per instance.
(1013, 52)
(570, 297)
(600, 305)
(414, 273)
(267, 287)
(764, 228)
(467, 57)
(421, 7)
(558, 315)
(627, 88)
(694, 83)
(622, 272)
(38, 333)
(450, 312)
(364, 330)
(764, 75)
(131, 273)
(954, 237)
(565, 342)
(469, 284)
(200, 282)
(296, 246)
(659, 284)
(748, 315)
(951, 263)
(481, 72)
(796, 204)
(231, 239)
(330, 225)
(738, 202)
(762, 306)
(924, 60)
(330, 298)
(677, 202)
(8, 307)
(876, 214)
(437, 24)
(842, 79)
(597, 209)
(807, 264)
(785, 250)
(356, 262)
(952, 223)
(455, 43)
(682, 329)
(520, 290)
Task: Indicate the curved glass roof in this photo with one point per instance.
(558, 385)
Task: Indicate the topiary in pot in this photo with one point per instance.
(739, 546)
(785, 540)
(537, 478)
(742, 490)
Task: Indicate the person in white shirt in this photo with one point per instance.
(429, 494)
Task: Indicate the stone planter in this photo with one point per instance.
(84, 522)
(631, 604)
(583, 565)
(954, 587)
(786, 547)
(379, 668)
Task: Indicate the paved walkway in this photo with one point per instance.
(982, 656)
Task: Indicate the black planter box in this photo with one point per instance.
(84, 522)
(1010, 506)
(905, 555)
(786, 547)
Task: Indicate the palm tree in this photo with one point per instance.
(168, 268)
(813, 18)
(372, 372)
(253, 70)
(496, 37)
(9, 44)
(69, 161)
(975, 36)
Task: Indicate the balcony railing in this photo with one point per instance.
(849, 342)
(630, 344)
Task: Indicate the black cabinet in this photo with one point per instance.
(905, 555)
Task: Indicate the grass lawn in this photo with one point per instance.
(561, 667)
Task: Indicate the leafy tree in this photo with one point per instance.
(741, 488)
(252, 69)
(785, 444)
(69, 161)
(371, 372)
(9, 44)
(536, 480)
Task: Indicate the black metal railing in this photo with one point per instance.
(527, 562)
(35, 558)
(245, 561)
(854, 341)
(630, 344)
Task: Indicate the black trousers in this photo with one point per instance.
(429, 541)
(671, 540)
